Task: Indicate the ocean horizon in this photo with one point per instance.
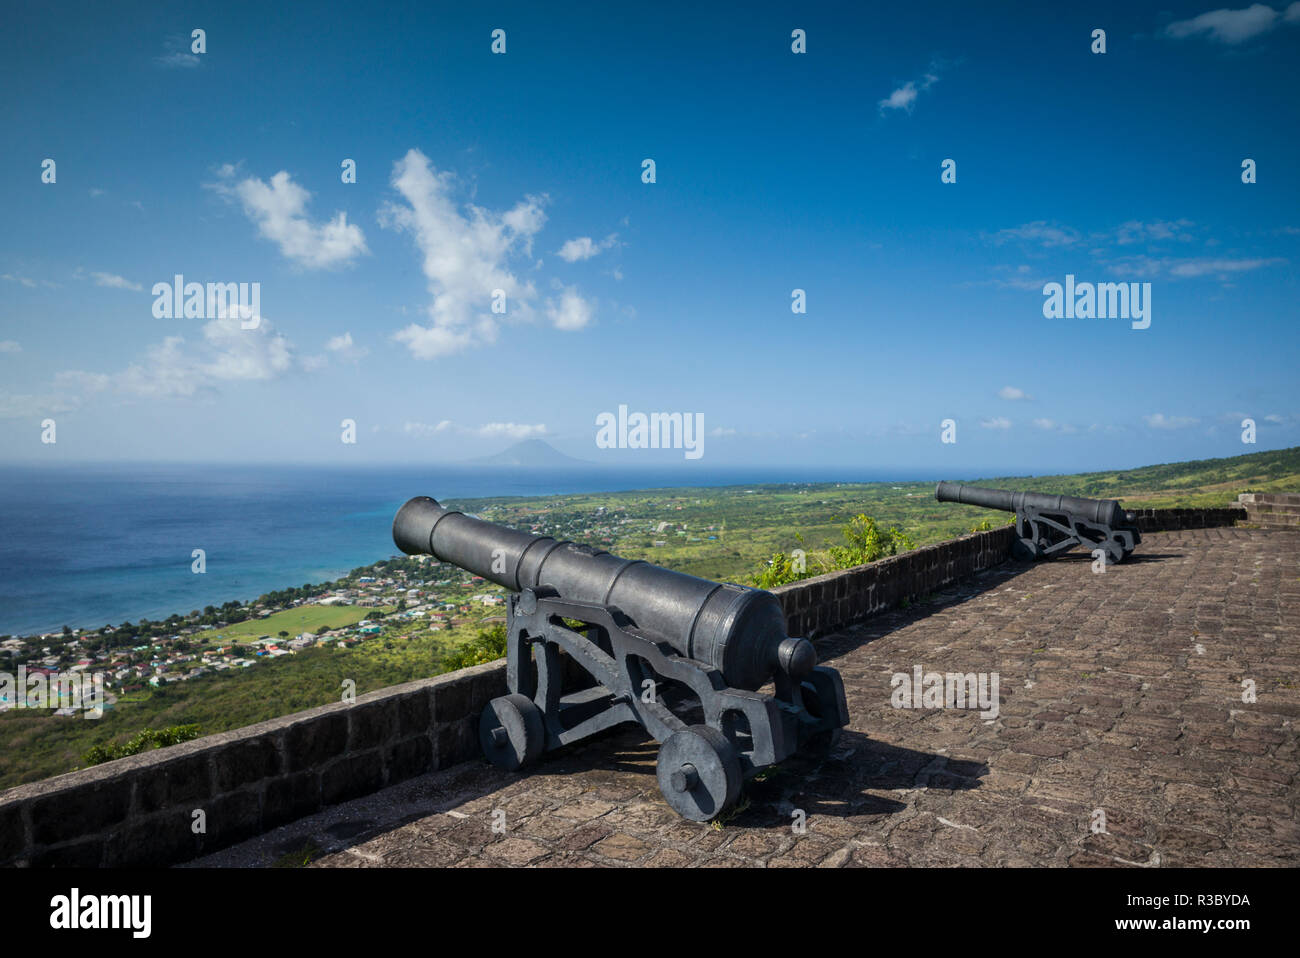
(97, 544)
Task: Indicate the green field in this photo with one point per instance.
(307, 618)
(749, 524)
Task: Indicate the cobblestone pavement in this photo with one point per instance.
(1120, 692)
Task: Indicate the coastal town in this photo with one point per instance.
(393, 599)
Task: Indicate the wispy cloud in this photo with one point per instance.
(583, 247)
(9, 346)
(1189, 268)
(1161, 421)
(36, 407)
(491, 430)
(1232, 27)
(344, 348)
(997, 422)
(175, 368)
(1013, 393)
(279, 210)
(904, 97)
(177, 54)
(1040, 233)
(113, 281)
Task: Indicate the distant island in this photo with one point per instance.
(531, 454)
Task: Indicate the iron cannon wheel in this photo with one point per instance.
(512, 732)
(699, 773)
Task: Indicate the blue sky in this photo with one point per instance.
(775, 171)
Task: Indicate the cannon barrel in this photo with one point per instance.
(1100, 511)
(739, 631)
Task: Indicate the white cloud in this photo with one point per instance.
(997, 422)
(512, 430)
(425, 429)
(720, 431)
(572, 311)
(1161, 421)
(279, 209)
(185, 60)
(179, 53)
(1200, 267)
(583, 247)
(344, 348)
(9, 346)
(27, 406)
(29, 283)
(1013, 393)
(904, 97)
(115, 282)
(1044, 423)
(175, 369)
(465, 258)
(1039, 231)
(1136, 232)
(1234, 26)
(491, 430)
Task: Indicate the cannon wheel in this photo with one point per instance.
(512, 732)
(699, 773)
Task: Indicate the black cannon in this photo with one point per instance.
(594, 641)
(1046, 525)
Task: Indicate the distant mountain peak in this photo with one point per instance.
(532, 454)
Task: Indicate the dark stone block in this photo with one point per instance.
(87, 854)
(182, 781)
(457, 742)
(13, 834)
(233, 818)
(313, 742)
(155, 841)
(451, 699)
(352, 776)
(84, 810)
(289, 798)
(486, 686)
(372, 724)
(245, 762)
(409, 758)
(415, 713)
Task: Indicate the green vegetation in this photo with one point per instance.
(306, 618)
(487, 646)
(718, 533)
(147, 739)
(867, 542)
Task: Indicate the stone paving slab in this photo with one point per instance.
(1120, 694)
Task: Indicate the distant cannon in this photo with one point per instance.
(682, 656)
(1046, 525)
